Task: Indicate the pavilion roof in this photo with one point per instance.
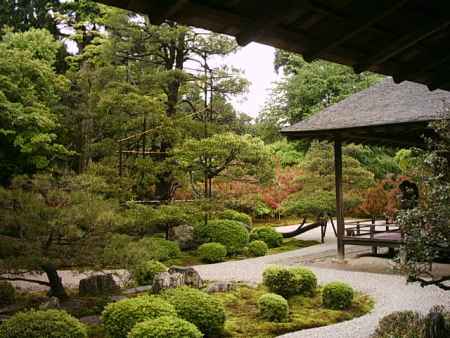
(384, 113)
(405, 39)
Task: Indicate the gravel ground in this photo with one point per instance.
(390, 292)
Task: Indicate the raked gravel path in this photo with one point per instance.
(390, 292)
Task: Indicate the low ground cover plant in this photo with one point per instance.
(165, 327)
(199, 308)
(289, 281)
(212, 252)
(337, 295)
(237, 216)
(120, 317)
(38, 324)
(268, 235)
(273, 307)
(7, 293)
(232, 234)
(257, 248)
(143, 273)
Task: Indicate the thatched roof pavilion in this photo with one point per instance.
(385, 113)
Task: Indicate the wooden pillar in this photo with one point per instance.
(339, 198)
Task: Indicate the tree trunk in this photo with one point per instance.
(56, 286)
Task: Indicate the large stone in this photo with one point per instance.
(166, 280)
(98, 285)
(220, 287)
(191, 276)
(183, 235)
(52, 303)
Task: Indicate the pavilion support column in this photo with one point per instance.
(339, 197)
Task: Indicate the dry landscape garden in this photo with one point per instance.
(137, 202)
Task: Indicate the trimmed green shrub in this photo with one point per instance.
(306, 281)
(232, 234)
(337, 295)
(280, 280)
(144, 272)
(155, 248)
(38, 324)
(120, 317)
(400, 324)
(268, 235)
(165, 327)
(199, 308)
(234, 215)
(7, 293)
(212, 252)
(290, 281)
(257, 248)
(273, 307)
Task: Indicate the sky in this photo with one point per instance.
(256, 60)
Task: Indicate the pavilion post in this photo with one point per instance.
(339, 197)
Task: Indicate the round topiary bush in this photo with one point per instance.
(257, 248)
(212, 252)
(232, 234)
(165, 327)
(234, 215)
(38, 324)
(306, 281)
(273, 307)
(199, 308)
(144, 272)
(120, 317)
(280, 280)
(400, 324)
(7, 293)
(337, 295)
(268, 235)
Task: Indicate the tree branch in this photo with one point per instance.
(25, 280)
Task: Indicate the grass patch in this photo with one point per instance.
(190, 257)
(304, 312)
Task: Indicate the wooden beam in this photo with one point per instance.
(159, 11)
(422, 64)
(362, 20)
(401, 44)
(339, 198)
(269, 17)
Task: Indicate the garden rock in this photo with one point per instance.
(91, 320)
(191, 276)
(221, 287)
(166, 280)
(184, 235)
(98, 285)
(52, 303)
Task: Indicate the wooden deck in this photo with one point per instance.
(373, 233)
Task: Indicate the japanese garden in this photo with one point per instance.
(137, 200)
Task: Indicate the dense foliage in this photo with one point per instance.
(232, 234)
(120, 317)
(257, 248)
(212, 252)
(337, 295)
(164, 327)
(38, 324)
(199, 308)
(143, 273)
(7, 293)
(268, 235)
(290, 281)
(273, 307)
